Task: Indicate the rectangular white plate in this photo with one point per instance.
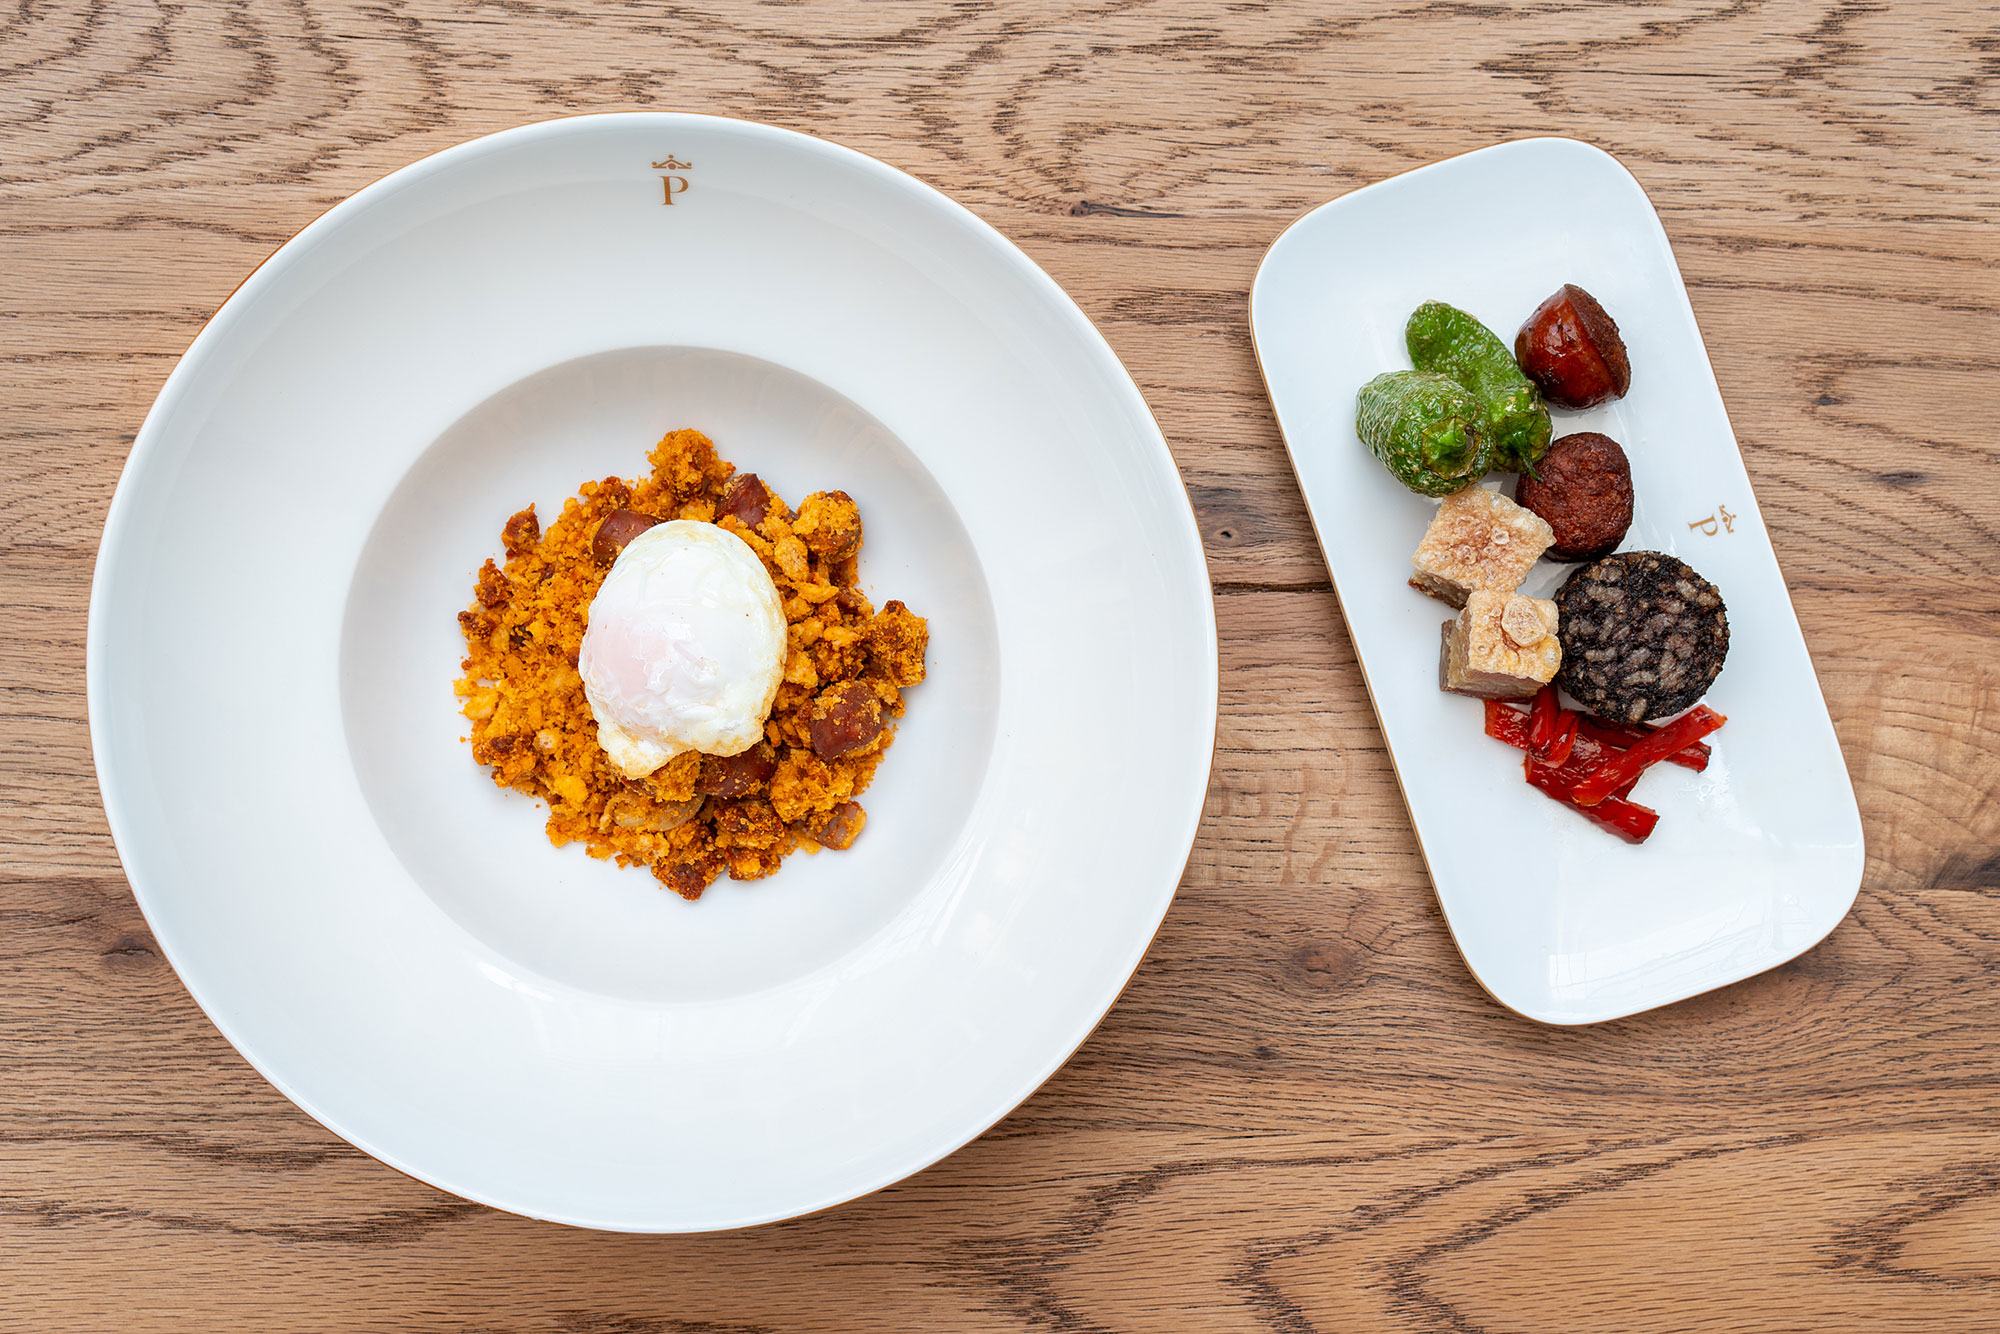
(1755, 859)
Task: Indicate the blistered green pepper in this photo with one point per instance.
(1424, 428)
(1512, 416)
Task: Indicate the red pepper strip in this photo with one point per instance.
(1624, 736)
(1509, 724)
(1582, 762)
(1627, 819)
(1542, 722)
(1506, 723)
(1620, 767)
(1565, 742)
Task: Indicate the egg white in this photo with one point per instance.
(684, 648)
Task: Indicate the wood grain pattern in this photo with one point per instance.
(1303, 1115)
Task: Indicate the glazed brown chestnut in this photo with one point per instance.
(1571, 349)
(1583, 489)
(618, 528)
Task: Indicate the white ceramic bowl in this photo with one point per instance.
(390, 939)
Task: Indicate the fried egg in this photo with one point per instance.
(684, 648)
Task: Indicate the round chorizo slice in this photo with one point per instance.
(843, 718)
(1583, 489)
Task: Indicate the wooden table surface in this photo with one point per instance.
(1303, 1115)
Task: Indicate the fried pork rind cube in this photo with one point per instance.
(1502, 646)
(1479, 540)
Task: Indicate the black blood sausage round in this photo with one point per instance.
(1643, 636)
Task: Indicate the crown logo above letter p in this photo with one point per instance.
(672, 185)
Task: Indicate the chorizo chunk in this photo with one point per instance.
(521, 532)
(747, 498)
(844, 718)
(493, 589)
(747, 824)
(689, 879)
(897, 639)
(1584, 493)
(616, 532)
(830, 524)
(731, 776)
(837, 828)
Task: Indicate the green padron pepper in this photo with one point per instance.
(1512, 416)
(1424, 428)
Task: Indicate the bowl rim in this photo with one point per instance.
(111, 552)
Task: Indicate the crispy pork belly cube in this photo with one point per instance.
(1479, 539)
(1502, 646)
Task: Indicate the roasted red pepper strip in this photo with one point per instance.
(1509, 724)
(1620, 767)
(1565, 742)
(1627, 819)
(1542, 722)
(1624, 736)
(1506, 723)
(1583, 760)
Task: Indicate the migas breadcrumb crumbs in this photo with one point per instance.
(698, 816)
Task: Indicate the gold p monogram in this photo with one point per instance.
(672, 185)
